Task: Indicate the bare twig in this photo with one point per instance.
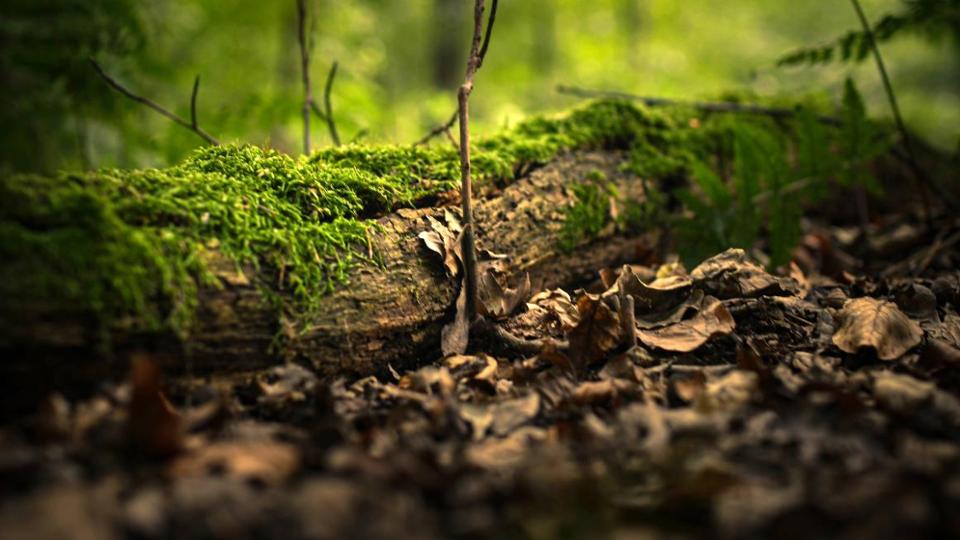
(923, 180)
(440, 129)
(192, 126)
(706, 106)
(478, 54)
(331, 125)
(305, 71)
(193, 102)
(628, 323)
(466, 189)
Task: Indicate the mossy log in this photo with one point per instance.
(390, 313)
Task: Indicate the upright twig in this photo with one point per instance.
(479, 54)
(331, 125)
(305, 71)
(478, 48)
(193, 102)
(923, 180)
(192, 125)
(705, 106)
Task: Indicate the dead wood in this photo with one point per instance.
(389, 315)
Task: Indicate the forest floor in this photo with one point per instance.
(821, 402)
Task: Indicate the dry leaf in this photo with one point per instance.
(685, 336)
(559, 305)
(445, 241)
(455, 336)
(732, 274)
(880, 325)
(153, 425)
(264, 462)
(597, 332)
(499, 303)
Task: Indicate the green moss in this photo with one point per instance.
(590, 212)
(134, 243)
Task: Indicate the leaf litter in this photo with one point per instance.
(814, 402)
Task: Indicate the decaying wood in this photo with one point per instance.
(388, 315)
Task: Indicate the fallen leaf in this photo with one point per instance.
(732, 274)
(153, 426)
(265, 462)
(877, 324)
(685, 336)
(455, 336)
(499, 303)
(559, 305)
(596, 333)
(445, 242)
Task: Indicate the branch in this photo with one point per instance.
(717, 107)
(922, 178)
(192, 126)
(480, 56)
(193, 102)
(331, 125)
(440, 129)
(305, 71)
(468, 245)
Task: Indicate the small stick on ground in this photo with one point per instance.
(628, 323)
(191, 125)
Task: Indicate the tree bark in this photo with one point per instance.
(388, 315)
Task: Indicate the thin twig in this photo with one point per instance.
(331, 125)
(628, 322)
(155, 106)
(923, 180)
(305, 71)
(439, 130)
(466, 189)
(706, 106)
(193, 102)
(480, 56)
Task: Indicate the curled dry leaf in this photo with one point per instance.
(497, 302)
(454, 337)
(876, 324)
(732, 274)
(597, 332)
(445, 241)
(685, 336)
(559, 305)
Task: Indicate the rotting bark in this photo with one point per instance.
(389, 315)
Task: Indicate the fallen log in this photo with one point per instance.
(390, 313)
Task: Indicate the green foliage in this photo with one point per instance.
(766, 192)
(930, 17)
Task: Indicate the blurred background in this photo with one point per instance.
(401, 62)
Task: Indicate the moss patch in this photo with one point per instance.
(132, 244)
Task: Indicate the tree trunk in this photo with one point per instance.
(389, 315)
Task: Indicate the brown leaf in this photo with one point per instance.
(732, 274)
(877, 324)
(444, 241)
(265, 462)
(557, 302)
(685, 336)
(153, 425)
(455, 336)
(499, 303)
(597, 332)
